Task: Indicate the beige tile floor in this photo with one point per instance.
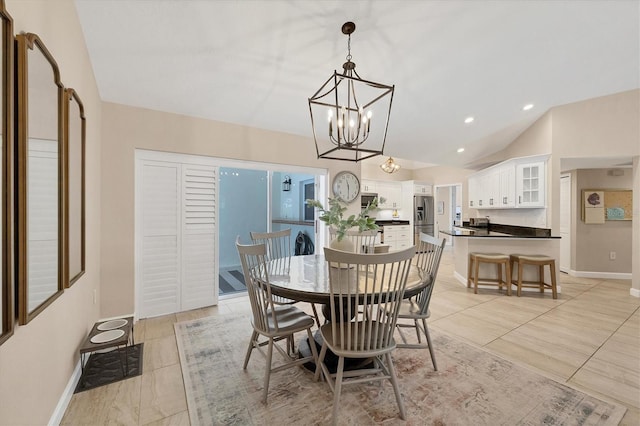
(589, 338)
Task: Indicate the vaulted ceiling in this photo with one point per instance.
(256, 63)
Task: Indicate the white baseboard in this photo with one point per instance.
(635, 292)
(602, 275)
(463, 281)
(65, 398)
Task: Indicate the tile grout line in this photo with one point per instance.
(603, 343)
(544, 313)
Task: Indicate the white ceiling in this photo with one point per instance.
(257, 62)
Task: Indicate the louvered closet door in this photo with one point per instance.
(160, 251)
(198, 236)
(176, 237)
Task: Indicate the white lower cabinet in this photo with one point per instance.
(398, 237)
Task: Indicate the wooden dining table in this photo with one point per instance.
(306, 279)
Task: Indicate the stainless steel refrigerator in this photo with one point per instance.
(422, 216)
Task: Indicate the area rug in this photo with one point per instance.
(471, 387)
(103, 368)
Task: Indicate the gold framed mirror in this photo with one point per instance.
(41, 268)
(6, 176)
(74, 136)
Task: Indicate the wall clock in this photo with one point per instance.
(346, 186)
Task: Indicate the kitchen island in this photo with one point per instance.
(501, 239)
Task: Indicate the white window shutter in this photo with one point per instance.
(160, 275)
(199, 221)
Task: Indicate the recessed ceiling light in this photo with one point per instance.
(468, 120)
(527, 107)
(460, 149)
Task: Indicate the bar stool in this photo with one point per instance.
(540, 261)
(499, 259)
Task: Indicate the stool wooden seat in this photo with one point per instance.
(499, 259)
(540, 261)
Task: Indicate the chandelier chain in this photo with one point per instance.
(349, 49)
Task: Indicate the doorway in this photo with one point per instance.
(448, 205)
(565, 223)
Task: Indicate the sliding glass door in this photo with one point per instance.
(262, 201)
(244, 207)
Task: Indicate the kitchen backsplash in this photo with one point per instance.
(388, 214)
(536, 218)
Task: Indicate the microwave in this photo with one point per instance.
(367, 198)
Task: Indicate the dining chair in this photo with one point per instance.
(416, 308)
(374, 283)
(278, 246)
(271, 321)
(363, 241)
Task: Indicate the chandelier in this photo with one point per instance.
(348, 111)
(390, 166)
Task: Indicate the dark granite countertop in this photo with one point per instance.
(500, 231)
(392, 222)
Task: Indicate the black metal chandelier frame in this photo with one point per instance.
(347, 137)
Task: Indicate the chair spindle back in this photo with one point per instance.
(370, 283)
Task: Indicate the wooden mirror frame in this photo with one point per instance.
(24, 44)
(71, 96)
(6, 177)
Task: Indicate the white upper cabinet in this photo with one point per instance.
(516, 183)
(422, 189)
(391, 192)
(368, 186)
(474, 194)
(507, 182)
(530, 184)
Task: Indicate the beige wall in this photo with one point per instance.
(593, 242)
(127, 128)
(608, 126)
(37, 362)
